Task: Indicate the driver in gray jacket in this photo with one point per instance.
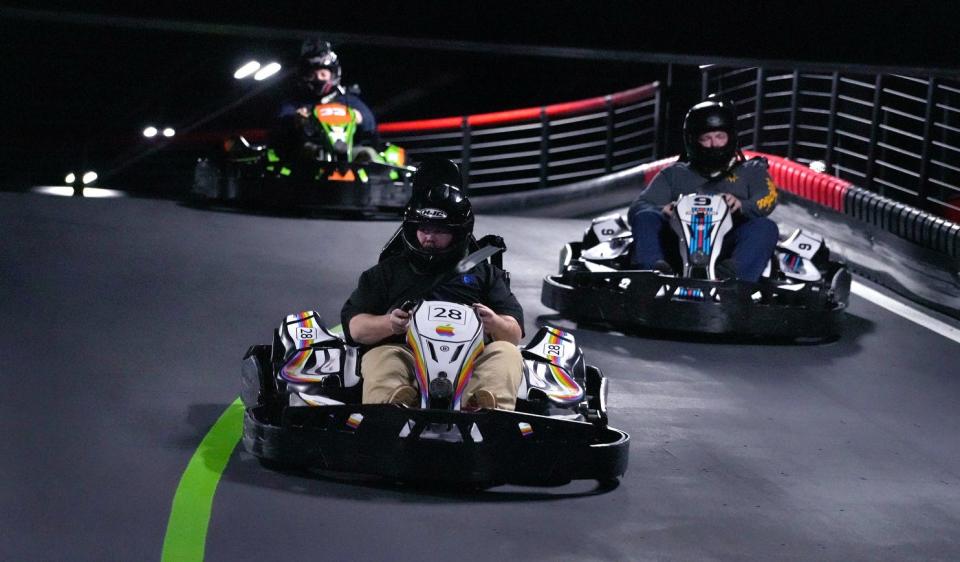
(714, 165)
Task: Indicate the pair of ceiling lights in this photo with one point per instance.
(253, 68)
(152, 131)
(87, 178)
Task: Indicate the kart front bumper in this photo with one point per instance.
(486, 447)
(648, 300)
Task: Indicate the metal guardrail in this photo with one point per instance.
(896, 135)
(542, 146)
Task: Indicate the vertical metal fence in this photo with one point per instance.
(893, 134)
(540, 147)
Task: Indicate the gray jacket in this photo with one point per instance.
(747, 181)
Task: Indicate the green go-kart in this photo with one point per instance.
(329, 171)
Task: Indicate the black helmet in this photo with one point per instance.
(437, 200)
(712, 114)
(314, 55)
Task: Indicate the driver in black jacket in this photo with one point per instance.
(437, 227)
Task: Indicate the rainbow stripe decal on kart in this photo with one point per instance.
(420, 370)
(294, 367)
(353, 422)
(466, 373)
(571, 391)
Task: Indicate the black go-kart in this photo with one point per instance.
(327, 173)
(303, 407)
(803, 292)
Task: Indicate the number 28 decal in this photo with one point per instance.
(307, 333)
(447, 314)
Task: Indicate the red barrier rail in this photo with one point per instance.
(526, 114)
(536, 147)
(800, 180)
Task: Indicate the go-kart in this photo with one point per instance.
(326, 171)
(303, 408)
(801, 294)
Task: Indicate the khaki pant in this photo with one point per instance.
(498, 369)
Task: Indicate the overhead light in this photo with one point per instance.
(89, 178)
(169, 132)
(246, 70)
(71, 177)
(150, 132)
(267, 71)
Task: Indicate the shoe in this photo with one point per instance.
(663, 267)
(405, 395)
(482, 399)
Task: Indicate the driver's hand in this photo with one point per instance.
(732, 202)
(667, 209)
(399, 320)
(303, 111)
(487, 316)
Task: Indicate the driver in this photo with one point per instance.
(715, 165)
(437, 228)
(318, 82)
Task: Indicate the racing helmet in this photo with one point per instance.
(437, 200)
(314, 55)
(712, 114)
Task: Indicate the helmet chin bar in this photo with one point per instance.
(713, 169)
(426, 261)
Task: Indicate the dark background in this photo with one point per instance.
(81, 83)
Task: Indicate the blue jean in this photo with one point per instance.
(750, 242)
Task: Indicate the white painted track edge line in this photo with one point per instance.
(908, 312)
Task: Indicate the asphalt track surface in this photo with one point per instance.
(124, 322)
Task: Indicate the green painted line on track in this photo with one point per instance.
(190, 515)
(186, 536)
